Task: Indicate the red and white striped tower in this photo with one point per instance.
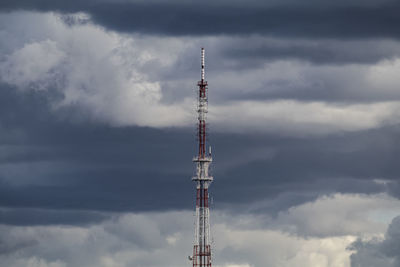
(202, 242)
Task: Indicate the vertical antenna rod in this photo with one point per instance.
(202, 64)
(202, 109)
(202, 242)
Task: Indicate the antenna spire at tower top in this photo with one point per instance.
(202, 64)
(202, 110)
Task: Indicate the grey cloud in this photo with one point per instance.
(176, 18)
(258, 68)
(127, 239)
(97, 167)
(233, 69)
(71, 176)
(62, 159)
(256, 51)
(30, 217)
(162, 239)
(376, 252)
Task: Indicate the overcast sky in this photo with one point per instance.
(97, 132)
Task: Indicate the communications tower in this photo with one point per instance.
(202, 241)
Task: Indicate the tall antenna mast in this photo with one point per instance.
(202, 241)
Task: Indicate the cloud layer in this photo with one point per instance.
(378, 251)
(97, 112)
(160, 239)
(283, 18)
(122, 90)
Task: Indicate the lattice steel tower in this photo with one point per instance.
(202, 241)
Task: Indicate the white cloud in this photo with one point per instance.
(276, 248)
(97, 70)
(142, 240)
(309, 118)
(127, 79)
(341, 215)
(32, 64)
(165, 238)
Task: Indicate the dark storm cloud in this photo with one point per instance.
(89, 166)
(25, 217)
(85, 166)
(176, 18)
(256, 52)
(303, 169)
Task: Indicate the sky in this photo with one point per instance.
(98, 122)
